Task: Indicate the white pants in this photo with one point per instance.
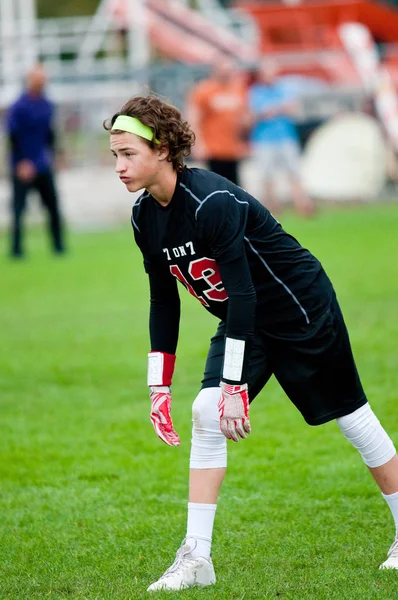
(281, 156)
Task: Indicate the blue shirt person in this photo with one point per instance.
(274, 139)
(29, 125)
(272, 104)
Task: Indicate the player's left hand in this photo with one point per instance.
(160, 415)
(233, 408)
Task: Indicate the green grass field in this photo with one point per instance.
(93, 505)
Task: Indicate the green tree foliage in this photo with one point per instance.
(70, 8)
(66, 8)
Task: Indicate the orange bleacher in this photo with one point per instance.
(307, 33)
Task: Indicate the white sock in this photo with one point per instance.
(392, 501)
(200, 527)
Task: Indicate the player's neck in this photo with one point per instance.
(163, 189)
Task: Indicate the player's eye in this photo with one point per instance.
(128, 154)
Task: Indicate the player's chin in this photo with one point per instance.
(133, 186)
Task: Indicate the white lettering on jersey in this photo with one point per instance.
(179, 250)
(190, 246)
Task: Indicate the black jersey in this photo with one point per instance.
(231, 254)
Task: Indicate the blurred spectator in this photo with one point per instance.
(274, 137)
(30, 129)
(217, 110)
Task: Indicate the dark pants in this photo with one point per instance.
(226, 168)
(44, 184)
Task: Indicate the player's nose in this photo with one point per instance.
(120, 166)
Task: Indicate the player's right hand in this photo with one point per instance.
(160, 415)
(233, 408)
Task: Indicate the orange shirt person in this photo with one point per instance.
(217, 110)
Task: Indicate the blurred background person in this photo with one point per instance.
(30, 129)
(274, 139)
(217, 112)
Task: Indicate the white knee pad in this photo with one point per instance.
(209, 445)
(364, 431)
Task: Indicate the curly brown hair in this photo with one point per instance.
(166, 123)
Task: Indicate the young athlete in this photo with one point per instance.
(277, 311)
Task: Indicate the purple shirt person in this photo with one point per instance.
(29, 125)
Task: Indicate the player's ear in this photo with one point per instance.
(163, 152)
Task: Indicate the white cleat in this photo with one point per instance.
(392, 560)
(186, 571)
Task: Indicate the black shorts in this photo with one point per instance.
(314, 366)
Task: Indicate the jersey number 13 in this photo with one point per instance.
(203, 269)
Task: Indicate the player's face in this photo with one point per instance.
(136, 163)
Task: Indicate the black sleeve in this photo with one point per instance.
(164, 315)
(237, 281)
(223, 225)
(242, 299)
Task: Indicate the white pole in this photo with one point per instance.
(138, 42)
(7, 41)
(94, 38)
(28, 42)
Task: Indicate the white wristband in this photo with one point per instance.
(233, 359)
(155, 368)
(160, 368)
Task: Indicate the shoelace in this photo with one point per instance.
(393, 551)
(180, 561)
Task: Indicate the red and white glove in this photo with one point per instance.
(160, 415)
(160, 373)
(233, 408)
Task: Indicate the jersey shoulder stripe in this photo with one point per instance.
(206, 198)
(219, 192)
(136, 208)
